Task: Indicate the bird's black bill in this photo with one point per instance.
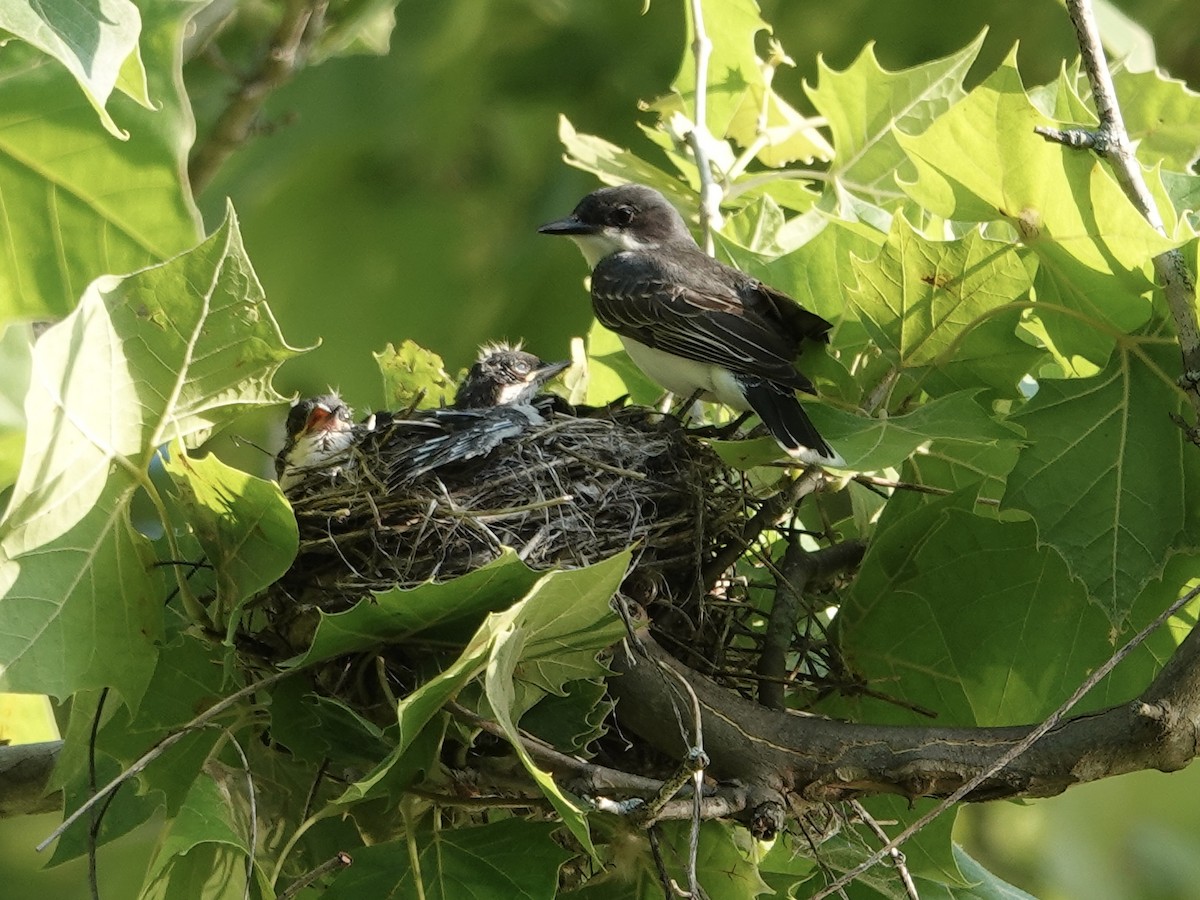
(545, 373)
(569, 225)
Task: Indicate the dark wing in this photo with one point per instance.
(694, 307)
(445, 436)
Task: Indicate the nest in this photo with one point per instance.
(565, 494)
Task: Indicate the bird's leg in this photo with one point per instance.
(687, 409)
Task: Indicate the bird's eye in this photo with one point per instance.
(623, 215)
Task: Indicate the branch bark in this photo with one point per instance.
(813, 760)
(301, 21)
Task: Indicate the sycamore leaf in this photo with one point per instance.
(866, 106)
(982, 161)
(510, 858)
(1162, 116)
(166, 353)
(412, 376)
(203, 852)
(918, 298)
(561, 623)
(1107, 476)
(94, 40)
(613, 165)
(243, 523)
(16, 361)
(725, 867)
(78, 204)
(739, 90)
(402, 612)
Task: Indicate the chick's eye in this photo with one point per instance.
(623, 215)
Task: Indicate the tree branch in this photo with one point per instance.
(820, 760)
(301, 21)
(1111, 141)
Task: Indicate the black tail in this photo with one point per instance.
(788, 423)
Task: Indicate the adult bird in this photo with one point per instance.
(691, 323)
(319, 430)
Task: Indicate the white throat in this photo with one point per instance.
(596, 247)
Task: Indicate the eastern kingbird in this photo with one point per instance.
(504, 375)
(694, 324)
(493, 405)
(319, 429)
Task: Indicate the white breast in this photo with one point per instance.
(686, 376)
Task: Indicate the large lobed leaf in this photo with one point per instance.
(164, 354)
(77, 201)
(982, 161)
(867, 106)
(1108, 476)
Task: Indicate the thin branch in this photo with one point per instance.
(1111, 141)
(898, 859)
(236, 122)
(698, 136)
(876, 481)
(340, 860)
(162, 746)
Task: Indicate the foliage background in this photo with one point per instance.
(398, 198)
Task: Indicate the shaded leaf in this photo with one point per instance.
(244, 524)
(1107, 475)
(511, 859)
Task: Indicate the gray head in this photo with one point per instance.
(628, 217)
(504, 375)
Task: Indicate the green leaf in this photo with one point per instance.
(613, 165)
(561, 625)
(1107, 476)
(186, 680)
(412, 376)
(739, 88)
(1162, 116)
(244, 524)
(873, 444)
(930, 621)
(167, 353)
(982, 884)
(203, 853)
(919, 298)
(77, 203)
(551, 637)
(16, 361)
(511, 859)
(92, 40)
(394, 615)
(866, 106)
(982, 161)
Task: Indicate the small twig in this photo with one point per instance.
(710, 193)
(97, 815)
(162, 746)
(340, 860)
(236, 123)
(1111, 141)
(919, 488)
(1017, 749)
(252, 813)
(774, 507)
(897, 857)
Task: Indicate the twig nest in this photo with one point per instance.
(566, 493)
